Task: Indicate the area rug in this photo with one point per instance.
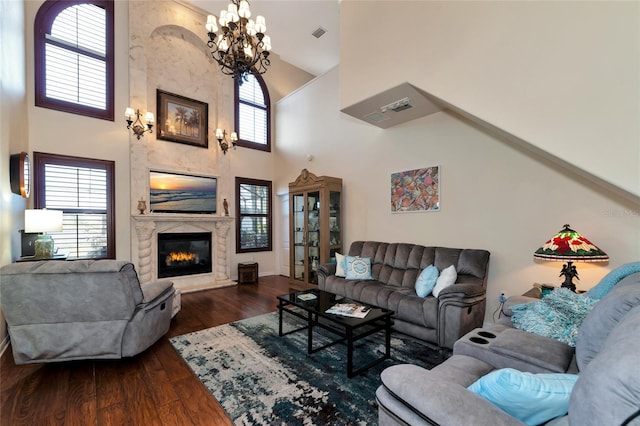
(260, 378)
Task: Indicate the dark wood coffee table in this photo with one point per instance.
(348, 329)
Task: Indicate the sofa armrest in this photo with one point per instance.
(325, 270)
(153, 289)
(462, 291)
(516, 300)
(440, 401)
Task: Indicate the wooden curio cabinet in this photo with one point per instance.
(315, 204)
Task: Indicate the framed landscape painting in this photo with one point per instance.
(182, 120)
(416, 190)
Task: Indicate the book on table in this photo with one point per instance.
(307, 296)
(349, 310)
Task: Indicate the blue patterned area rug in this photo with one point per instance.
(260, 378)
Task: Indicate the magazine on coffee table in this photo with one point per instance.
(349, 310)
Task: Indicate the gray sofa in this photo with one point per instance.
(395, 268)
(606, 358)
(68, 310)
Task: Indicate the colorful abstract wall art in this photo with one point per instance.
(416, 190)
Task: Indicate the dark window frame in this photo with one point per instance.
(257, 182)
(42, 26)
(236, 104)
(40, 159)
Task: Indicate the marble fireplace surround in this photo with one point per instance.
(147, 227)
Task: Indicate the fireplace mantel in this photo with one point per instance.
(148, 226)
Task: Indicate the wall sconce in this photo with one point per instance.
(136, 125)
(221, 135)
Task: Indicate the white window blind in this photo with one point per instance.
(81, 193)
(254, 217)
(75, 56)
(252, 111)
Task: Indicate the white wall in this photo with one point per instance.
(168, 51)
(166, 27)
(69, 134)
(493, 196)
(563, 76)
(13, 132)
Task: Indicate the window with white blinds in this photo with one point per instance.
(83, 190)
(253, 113)
(74, 57)
(254, 224)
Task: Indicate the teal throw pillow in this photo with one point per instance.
(532, 398)
(358, 268)
(426, 281)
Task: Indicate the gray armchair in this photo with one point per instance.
(61, 311)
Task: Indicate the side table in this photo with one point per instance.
(247, 272)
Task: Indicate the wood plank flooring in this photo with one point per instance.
(153, 388)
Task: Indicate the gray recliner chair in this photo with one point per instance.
(84, 309)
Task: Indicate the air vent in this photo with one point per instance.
(375, 117)
(319, 32)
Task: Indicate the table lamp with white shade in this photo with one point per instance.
(42, 221)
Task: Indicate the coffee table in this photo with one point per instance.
(347, 329)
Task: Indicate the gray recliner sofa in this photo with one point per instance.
(395, 268)
(69, 310)
(606, 358)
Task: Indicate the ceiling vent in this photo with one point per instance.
(319, 32)
(394, 106)
(375, 117)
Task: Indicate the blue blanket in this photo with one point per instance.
(611, 279)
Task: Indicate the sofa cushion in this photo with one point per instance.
(531, 398)
(358, 268)
(446, 279)
(426, 281)
(608, 391)
(604, 317)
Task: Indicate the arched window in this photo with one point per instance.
(74, 57)
(253, 113)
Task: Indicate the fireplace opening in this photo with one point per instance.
(186, 253)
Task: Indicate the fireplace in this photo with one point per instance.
(184, 253)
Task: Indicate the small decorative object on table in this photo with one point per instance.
(225, 205)
(142, 205)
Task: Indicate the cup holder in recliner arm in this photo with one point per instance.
(486, 334)
(478, 340)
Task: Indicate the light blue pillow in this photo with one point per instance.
(426, 281)
(358, 268)
(531, 398)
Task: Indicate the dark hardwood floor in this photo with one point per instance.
(153, 388)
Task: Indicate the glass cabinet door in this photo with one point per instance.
(335, 227)
(299, 234)
(313, 235)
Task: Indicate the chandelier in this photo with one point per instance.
(241, 47)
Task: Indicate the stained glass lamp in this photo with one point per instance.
(569, 246)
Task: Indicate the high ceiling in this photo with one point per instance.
(290, 24)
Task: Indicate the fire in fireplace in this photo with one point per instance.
(185, 253)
